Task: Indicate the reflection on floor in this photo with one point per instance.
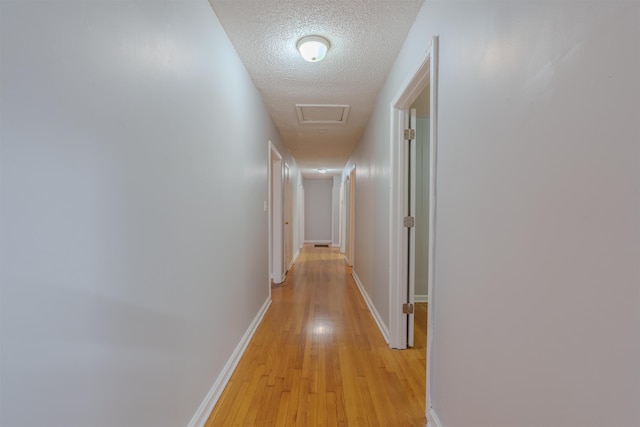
(318, 358)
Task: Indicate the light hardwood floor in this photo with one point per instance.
(318, 358)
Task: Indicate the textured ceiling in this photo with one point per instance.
(365, 37)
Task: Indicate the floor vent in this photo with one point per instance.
(321, 246)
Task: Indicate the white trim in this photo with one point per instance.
(343, 117)
(395, 228)
(432, 419)
(320, 242)
(372, 308)
(270, 148)
(410, 206)
(350, 219)
(335, 182)
(288, 216)
(421, 298)
(343, 215)
(206, 407)
(301, 215)
(275, 259)
(433, 160)
(417, 79)
(425, 73)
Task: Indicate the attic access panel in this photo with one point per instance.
(322, 113)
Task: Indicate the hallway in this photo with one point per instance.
(318, 358)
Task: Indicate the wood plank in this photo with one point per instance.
(318, 358)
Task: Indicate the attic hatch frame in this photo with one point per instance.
(342, 108)
(424, 74)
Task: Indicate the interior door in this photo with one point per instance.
(277, 247)
(352, 219)
(288, 223)
(347, 228)
(411, 229)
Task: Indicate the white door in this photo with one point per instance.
(410, 224)
(350, 232)
(347, 228)
(276, 205)
(288, 223)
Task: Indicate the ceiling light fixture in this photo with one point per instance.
(313, 48)
(322, 170)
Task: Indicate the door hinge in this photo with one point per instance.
(407, 308)
(409, 221)
(409, 134)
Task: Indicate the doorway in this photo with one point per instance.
(402, 212)
(276, 216)
(419, 179)
(349, 219)
(288, 220)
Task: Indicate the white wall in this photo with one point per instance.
(537, 302)
(127, 211)
(318, 194)
(335, 211)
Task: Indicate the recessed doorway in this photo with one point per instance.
(404, 216)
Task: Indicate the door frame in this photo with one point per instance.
(287, 217)
(276, 205)
(350, 216)
(301, 216)
(409, 243)
(424, 74)
(343, 215)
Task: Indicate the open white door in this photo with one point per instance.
(409, 223)
(350, 220)
(423, 75)
(276, 221)
(347, 228)
(402, 241)
(288, 222)
(344, 228)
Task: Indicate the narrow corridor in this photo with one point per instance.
(318, 358)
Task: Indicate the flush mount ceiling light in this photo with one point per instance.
(313, 48)
(322, 170)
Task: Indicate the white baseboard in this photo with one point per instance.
(320, 242)
(202, 414)
(421, 298)
(376, 316)
(432, 419)
(335, 245)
